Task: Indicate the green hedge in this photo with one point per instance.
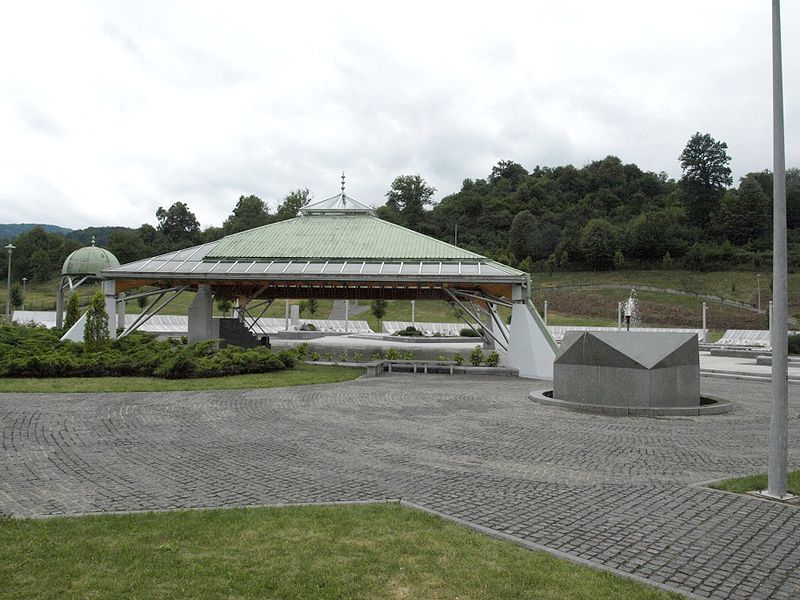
(27, 351)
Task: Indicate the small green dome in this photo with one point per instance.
(90, 260)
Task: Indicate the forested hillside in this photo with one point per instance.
(604, 215)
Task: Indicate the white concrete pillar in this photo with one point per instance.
(287, 315)
(346, 314)
(619, 315)
(545, 313)
(121, 311)
(110, 293)
(705, 326)
(531, 348)
(295, 318)
(414, 313)
(201, 325)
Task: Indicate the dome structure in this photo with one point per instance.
(89, 261)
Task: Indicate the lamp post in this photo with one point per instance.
(24, 281)
(8, 284)
(779, 415)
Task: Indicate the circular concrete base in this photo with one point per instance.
(708, 406)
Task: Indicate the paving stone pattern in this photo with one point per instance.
(620, 492)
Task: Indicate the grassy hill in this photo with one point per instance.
(574, 298)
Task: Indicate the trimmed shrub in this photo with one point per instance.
(392, 354)
(794, 344)
(493, 359)
(476, 356)
(459, 359)
(468, 332)
(409, 332)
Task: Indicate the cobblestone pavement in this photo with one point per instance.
(620, 492)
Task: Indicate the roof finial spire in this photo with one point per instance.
(92, 240)
(342, 183)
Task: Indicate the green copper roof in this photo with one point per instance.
(335, 236)
(90, 260)
(341, 203)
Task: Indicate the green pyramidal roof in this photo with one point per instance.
(336, 237)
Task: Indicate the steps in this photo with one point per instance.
(232, 332)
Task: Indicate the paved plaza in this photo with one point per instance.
(619, 492)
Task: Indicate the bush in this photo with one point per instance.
(301, 350)
(493, 359)
(468, 332)
(392, 354)
(376, 355)
(476, 356)
(307, 327)
(459, 359)
(315, 356)
(27, 351)
(794, 344)
(409, 332)
(357, 357)
(408, 355)
(343, 357)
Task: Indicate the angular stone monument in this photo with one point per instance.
(628, 369)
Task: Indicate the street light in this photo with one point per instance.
(24, 281)
(779, 415)
(8, 284)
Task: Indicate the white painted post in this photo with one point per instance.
(346, 314)
(287, 314)
(545, 313)
(109, 291)
(705, 327)
(619, 315)
(414, 313)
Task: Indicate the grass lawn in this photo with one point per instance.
(302, 374)
(753, 483)
(378, 551)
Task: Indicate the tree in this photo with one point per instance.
(292, 203)
(73, 311)
(706, 175)
(95, 332)
(312, 305)
(596, 243)
(408, 196)
(127, 246)
(40, 266)
(744, 213)
(224, 305)
(522, 234)
(178, 223)
(16, 296)
(378, 309)
(250, 211)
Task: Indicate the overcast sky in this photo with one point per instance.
(109, 110)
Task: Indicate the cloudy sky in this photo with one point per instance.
(110, 109)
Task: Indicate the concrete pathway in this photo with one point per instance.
(337, 311)
(619, 492)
